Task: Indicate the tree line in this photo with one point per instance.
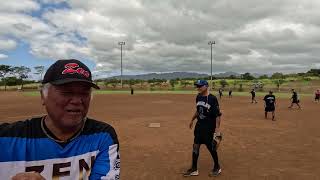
(17, 75)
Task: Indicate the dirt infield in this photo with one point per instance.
(253, 148)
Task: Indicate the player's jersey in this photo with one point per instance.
(269, 100)
(25, 147)
(295, 96)
(208, 109)
(253, 93)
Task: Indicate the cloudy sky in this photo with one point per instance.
(254, 36)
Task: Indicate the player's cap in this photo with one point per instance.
(201, 83)
(68, 70)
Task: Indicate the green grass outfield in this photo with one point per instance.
(259, 94)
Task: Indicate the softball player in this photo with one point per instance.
(253, 96)
(317, 95)
(207, 124)
(270, 102)
(230, 93)
(220, 93)
(295, 99)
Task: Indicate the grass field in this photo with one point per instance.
(253, 148)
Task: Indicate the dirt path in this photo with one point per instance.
(253, 148)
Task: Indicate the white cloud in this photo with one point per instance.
(51, 1)
(7, 44)
(3, 56)
(251, 35)
(19, 6)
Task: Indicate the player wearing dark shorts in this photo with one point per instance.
(230, 93)
(295, 99)
(208, 123)
(220, 93)
(270, 102)
(253, 96)
(317, 95)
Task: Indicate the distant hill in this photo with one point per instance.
(172, 75)
(226, 74)
(181, 75)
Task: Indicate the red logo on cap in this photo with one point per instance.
(72, 68)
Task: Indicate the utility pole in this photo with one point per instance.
(122, 43)
(211, 43)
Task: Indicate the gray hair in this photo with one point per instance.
(45, 90)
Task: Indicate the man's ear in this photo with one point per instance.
(42, 97)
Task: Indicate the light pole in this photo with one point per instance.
(122, 43)
(211, 43)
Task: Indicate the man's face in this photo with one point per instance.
(201, 89)
(68, 104)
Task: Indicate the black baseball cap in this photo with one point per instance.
(68, 70)
(201, 83)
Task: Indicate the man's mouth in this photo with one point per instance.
(74, 111)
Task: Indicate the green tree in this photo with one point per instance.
(264, 77)
(140, 81)
(314, 72)
(278, 83)
(172, 83)
(22, 73)
(232, 77)
(247, 76)
(4, 71)
(39, 71)
(277, 75)
(223, 83)
(131, 82)
(185, 83)
(114, 82)
(12, 81)
(240, 87)
(234, 84)
(106, 83)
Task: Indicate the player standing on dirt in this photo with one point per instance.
(230, 93)
(253, 96)
(317, 95)
(220, 93)
(207, 124)
(270, 102)
(295, 99)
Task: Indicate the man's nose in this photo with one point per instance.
(76, 99)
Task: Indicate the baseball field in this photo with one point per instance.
(253, 148)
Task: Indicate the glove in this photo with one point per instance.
(217, 138)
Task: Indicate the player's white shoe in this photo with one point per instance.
(215, 172)
(191, 172)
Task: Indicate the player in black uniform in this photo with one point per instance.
(270, 102)
(220, 93)
(253, 96)
(208, 123)
(295, 99)
(230, 93)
